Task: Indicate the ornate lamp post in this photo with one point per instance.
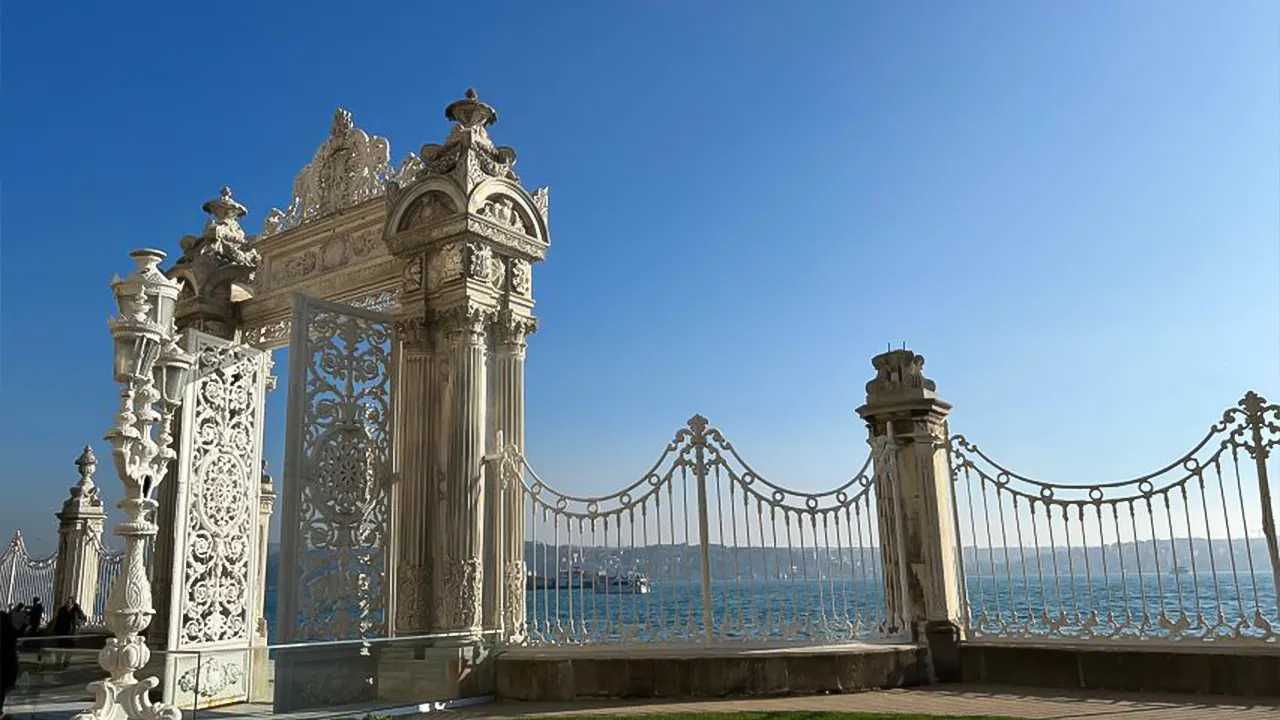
(152, 370)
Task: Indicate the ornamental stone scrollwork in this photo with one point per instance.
(213, 264)
(542, 201)
(337, 252)
(444, 266)
(413, 596)
(497, 273)
(411, 277)
(521, 277)
(468, 318)
(268, 334)
(222, 240)
(503, 212)
(898, 371)
(479, 261)
(513, 328)
(414, 333)
(468, 156)
(462, 591)
(385, 301)
(513, 601)
(211, 677)
(348, 168)
(430, 208)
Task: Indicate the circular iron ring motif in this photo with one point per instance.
(344, 471)
(224, 492)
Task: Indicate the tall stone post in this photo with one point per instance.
(260, 663)
(469, 234)
(79, 539)
(413, 489)
(917, 526)
(466, 329)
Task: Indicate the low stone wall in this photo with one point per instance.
(528, 674)
(1215, 671)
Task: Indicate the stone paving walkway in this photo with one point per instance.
(955, 700)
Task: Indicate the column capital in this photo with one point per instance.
(467, 320)
(514, 328)
(415, 334)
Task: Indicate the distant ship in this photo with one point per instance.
(631, 583)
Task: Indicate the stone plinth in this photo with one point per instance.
(566, 674)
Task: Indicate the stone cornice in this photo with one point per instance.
(465, 227)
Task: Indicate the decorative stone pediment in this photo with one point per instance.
(348, 168)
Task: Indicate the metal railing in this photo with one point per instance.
(109, 564)
(1188, 552)
(25, 576)
(703, 548)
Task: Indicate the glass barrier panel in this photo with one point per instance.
(54, 675)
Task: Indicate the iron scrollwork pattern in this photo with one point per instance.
(222, 497)
(343, 470)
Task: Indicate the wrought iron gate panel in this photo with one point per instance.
(334, 570)
(216, 518)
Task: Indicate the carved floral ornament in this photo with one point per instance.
(221, 253)
(352, 166)
(349, 167)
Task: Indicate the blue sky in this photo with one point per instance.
(1071, 209)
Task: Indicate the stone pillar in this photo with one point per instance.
(914, 488)
(413, 490)
(459, 600)
(507, 403)
(469, 234)
(79, 538)
(260, 663)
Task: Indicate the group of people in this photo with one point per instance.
(26, 621)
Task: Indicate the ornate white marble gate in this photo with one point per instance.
(334, 570)
(215, 557)
(430, 261)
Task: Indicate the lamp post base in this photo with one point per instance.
(129, 700)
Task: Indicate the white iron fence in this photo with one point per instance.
(25, 576)
(703, 548)
(1187, 552)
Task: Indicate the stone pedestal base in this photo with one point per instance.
(412, 675)
(261, 682)
(310, 678)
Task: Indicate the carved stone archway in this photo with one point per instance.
(442, 242)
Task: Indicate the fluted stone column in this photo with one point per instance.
(917, 527)
(460, 595)
(413, 496)
(507, 403)
(79, 538)
(260, 663)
